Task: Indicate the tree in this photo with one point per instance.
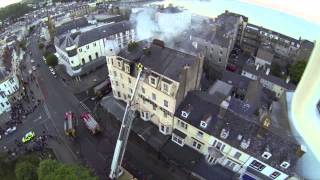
(41, 45)
(296, 70)
(52, 60)
(25, 171)
(51, 169)
(275, 69)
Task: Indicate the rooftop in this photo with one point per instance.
(86, 37)
(74, 24)
(243, 127)
(265, 54)
(163, 60)
(261, 73)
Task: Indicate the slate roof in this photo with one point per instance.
(265, 55)
(261, 73)
(282, 149)
(83, 38)
(74, 24)
(163, 60)
(236, 80)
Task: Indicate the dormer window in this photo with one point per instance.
(203, 124)
(224, 133)
(185, 113)
(285, 164)
(266, 155)
(153, 81)
(245, 143)
(127, 68)
(205, 120)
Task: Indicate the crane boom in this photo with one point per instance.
(125, 129)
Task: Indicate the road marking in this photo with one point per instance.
(46, 110)
(38, 119)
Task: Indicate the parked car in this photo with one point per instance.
(10, 130)
(28, 137)
(34, 68)
(53, 72)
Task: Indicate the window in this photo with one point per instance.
(257, 165)
(143, 90)
(129, 80)
(203, 124)
(165, 114)
(90, 58)
(127, 68)
(165, 103)
(153, 81)
(165, 87)
(80, 50)
(130, 91)
(71, 62)
(164, 129)
(117, 83)
(275, 174)
(285, 165)
(120, 75)
(87, 46)
(219, 60)
(154, 107)
(182, 124)
(237, 155)
(145, 115)
(219, 145)
(2, 95)
(196, 145)
(200, 134)
(94, 44)
(154, 97)
(97, 55)
(83, 61)
(115, 73)
(177, 140)
(210, 159)
(119, 95)
(2, 105)
(230, 164)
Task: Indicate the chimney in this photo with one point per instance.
(257, 68)
(268, 71)
(288, 80)
(223, 108)
(186, 66)
(158, 43)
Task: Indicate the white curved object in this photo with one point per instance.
(305, 116)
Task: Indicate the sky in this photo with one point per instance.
(4, 3)
(306, 9)
(266, 13)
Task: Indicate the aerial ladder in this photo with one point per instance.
(128, 117)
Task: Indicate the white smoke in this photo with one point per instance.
(165, 26)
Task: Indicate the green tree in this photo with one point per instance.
(296, 70)
(41, 45)
(53, 170)
(52, 60)
(275, 69)
(25, 171)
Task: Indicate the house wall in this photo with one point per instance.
(268, 170)
(261, 62)
(229, 160)
(120, 84)
(9, 86)
(249, 75)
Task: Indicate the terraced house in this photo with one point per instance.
(223, 131)
(82, 50)
(167, 77)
